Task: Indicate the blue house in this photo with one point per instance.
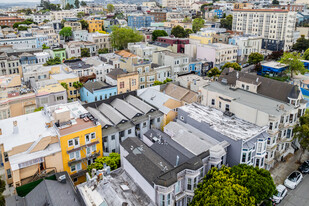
(95, 91)
(195, 67)
(272, 68)
(40, 40)
(140, 21)
(218, 13)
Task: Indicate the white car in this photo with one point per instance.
(293, 180)
(282, 191)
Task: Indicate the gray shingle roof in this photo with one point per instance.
(141, 105)
(125, 108)
(112, 114)
(92, 86)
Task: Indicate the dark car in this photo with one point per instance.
(304, 168)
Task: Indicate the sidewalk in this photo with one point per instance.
(283, 169)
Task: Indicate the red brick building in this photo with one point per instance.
(160, 16)
(180, 42)
(9, 21)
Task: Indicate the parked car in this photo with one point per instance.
(293, 180)
(282, 192)
(304, 168)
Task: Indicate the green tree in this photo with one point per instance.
(82, 3)
(188, 32)
(234, 65)
(85, 52)
(68, 6)
(84, 24)
(178, 31)
(301, 133)
(157, 82)
(255, 58)
(120, 37)
(293, 60)
(76, 3)
(112, 160)
(54, 61)
(65, 85)
(219, 187)
(103, 51)
(80, 14)
(302, 44)
(66, 32)
(38, 109)
(77, 85)
(157, 33)
(22, 28)
(227, 22)
(2, 188)
(306, 54)
(197, 24)
(46, 20)
(110, 8)
(186, 20)
(275, 2)
(45, 47)
(214, 72)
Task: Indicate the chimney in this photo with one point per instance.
(15, 127)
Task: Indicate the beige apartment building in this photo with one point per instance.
(276, 26)
(75, 25)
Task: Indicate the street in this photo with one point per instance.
(298, 196)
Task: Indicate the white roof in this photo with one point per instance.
(62, 76)
(30, 128)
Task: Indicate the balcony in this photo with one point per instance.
(89, 156)
(76, 148)
(78, 174)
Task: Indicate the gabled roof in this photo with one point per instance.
(115, 72)
(268, 87)
(92, 86)
(180, 93)
(126, 109)
(105, 122)
(112, 114)
(141, 105)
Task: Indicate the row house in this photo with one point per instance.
(142, 49)
(125, 81)
(123, 116)
(138, 21)
(75, 25)
(40, 18)
(21, 43)
(59, 15)
(177, 44)
(9, 64)
(100, 68)
(285, 104)
(10, 21)
(102, 41)
(80, 35)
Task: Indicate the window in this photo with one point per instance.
(129, 131)
(213, 102)
(247, 87)
(177, 186)
(244, 157)
(59, 98)
(105, 139)
(158, 119)
(162, 200)
(133, 82)
(87, 138)
(73, 168)
(219, 104)
(189, 184)
(8, 173)
(113, 137)
(257, 163)
(168, 199)
(6, 157)
(70, 142)
(227, 107)
(270, 125)
(144, 124)
(93, 135)
(121, 85)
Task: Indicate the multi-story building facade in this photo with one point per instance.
(95, 25)
(275, 26)
(59, 15)
(80, 138)
(247, 44)
(285, 104)
(42, 57)
(123, 116)
(21, 43)
(125, 81)
(75, 25)
(138, 21)
(159, 16)
(102, 41)
(80, 35)
(73, 49)
(9, 64)
(177, 44)
(178, 3)
(40, 18)
(96, 91)
(10, 21)
(217, 53)
(142, 49)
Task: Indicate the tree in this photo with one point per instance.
(120, 37)
(103, 51)
(227, 22)
(110, 8)
(112, 160)
(157, 82)
(186, 20)
(76, 3)
(234, 65)
(82, 3)
(220, 188)
(301, 133)
(84, 24)
(197, 24)
(293, 60)
(54, 61)
(275, 2)
(240, 185)
(46, 20)
(66, 32)
(85, 52)
(214, 72)
(275, 55)
(22, 28)
(77, 85)
(65, 85)
(45, 47)
(157, 33)
(306, 54)
(68, 6)
(178, 31)
(302, 44)
(255, 58)
(80, 14)
(188, 32)
(2, 188)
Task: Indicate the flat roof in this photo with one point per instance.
(232, 127)
(52, 88)
(274, 64)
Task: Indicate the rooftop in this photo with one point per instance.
(52, 88)
(232, 127)
(125, 54)
(115, 72)
(115, 189)
(97, 85)
(180, 93)
(219, 46)
(77, 64)
(274, 64)
(260, 10)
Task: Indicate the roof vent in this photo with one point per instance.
(15, 127)
(62, 179)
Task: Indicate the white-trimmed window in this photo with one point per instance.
(177, 186)
(93, 135)
(87, 138)
(74, 155)
(73, 142)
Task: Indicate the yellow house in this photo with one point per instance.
(80, 138)
(95, 25)
(205, 37)
(68, 78)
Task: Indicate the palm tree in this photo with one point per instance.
(77, 85)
